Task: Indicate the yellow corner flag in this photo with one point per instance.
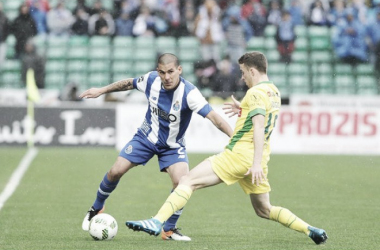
(33, 96)
(31, 87)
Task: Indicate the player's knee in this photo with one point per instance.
(115, 173)
(188, 181)
(263, 212)
(183, 180)
(175, 183)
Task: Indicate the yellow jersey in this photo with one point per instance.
(262, 99)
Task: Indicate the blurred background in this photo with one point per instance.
(317, 49)
(323, 56)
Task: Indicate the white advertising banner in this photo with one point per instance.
(317, 130)
(309, 129)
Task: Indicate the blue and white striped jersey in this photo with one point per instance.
(169, 112)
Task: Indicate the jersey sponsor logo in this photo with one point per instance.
(129, 149)
(141, 78)
(239, 113)
(176, 106)
(164, 115)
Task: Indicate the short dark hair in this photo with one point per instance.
(168, 58)
(256, 60)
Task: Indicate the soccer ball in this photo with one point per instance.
(103, 227)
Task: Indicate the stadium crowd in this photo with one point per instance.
(356, 40)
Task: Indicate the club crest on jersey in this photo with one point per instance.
(129, 149)
(176, 106)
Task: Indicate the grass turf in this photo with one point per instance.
(337, 193)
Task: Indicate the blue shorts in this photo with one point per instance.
(140, 150)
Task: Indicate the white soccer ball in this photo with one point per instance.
(103, 227)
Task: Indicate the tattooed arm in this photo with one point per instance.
(123, 85)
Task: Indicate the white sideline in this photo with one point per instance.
(17, 175)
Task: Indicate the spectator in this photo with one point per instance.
(101, 24)
(205, 71)
(147, 24)
(43, 5)
(38, 12)
(23, 28)
(274, 13)
(130, 6)
(256, 14)
(296, 12)
(96, 7)
(377, 66)
(80, 26)
(81, 4)
(337, 13)
(318, 15)
(360, 10)
(373, 32)
(285, 37)
(208, 29)
(237, 31)
(189, 16)
(172, 16)
(372, 12)
(349, 40)
(60, 20)
(32, 60)
(226, 79)
(144, 23)
(124, 25)
(4, 29)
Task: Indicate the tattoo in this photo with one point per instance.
(121, 85)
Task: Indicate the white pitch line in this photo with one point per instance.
(17, 176)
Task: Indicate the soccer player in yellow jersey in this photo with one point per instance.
(245, 158)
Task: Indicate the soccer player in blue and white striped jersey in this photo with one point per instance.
(172, 101)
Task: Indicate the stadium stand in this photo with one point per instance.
(98, 60)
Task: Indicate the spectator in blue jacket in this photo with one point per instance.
(296, 12)
(285, 37)
(336, 15)
(124, 25)
(349, 40)
(373, 31)
(39, 15)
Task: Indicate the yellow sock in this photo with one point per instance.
(288, 219)
(176, 200)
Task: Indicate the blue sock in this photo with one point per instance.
(172, 221)
(105, 189)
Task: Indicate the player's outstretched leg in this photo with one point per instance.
(170, 231)
(319, 236)
(174, 234)
(89, 215)
(150, 226)
(105, 189)
(290, 220)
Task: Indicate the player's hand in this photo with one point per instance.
(91, 93)
(257, 174)
(231, 108)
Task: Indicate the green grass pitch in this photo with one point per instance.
(338, 193)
